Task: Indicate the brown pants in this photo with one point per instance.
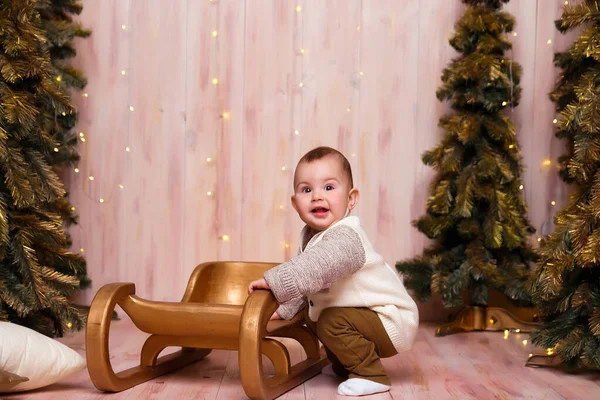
(355, 340)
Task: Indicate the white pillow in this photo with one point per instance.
(29, 354)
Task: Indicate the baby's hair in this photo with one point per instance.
(324, 151)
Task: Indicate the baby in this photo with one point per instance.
(357, 304)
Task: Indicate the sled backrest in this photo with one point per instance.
(224, 282)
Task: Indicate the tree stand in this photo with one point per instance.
(543, 360)
(478, 318)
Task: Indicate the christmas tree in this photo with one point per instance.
(38, 273)
(566, 284)
(475, 212)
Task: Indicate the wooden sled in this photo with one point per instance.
(215, 313)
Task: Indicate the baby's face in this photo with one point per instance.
(321, 192)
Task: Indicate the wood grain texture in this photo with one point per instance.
(162, 223)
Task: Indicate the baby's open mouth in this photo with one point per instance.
(319, 210)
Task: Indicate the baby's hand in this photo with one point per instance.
(275, 316)
(259, 284)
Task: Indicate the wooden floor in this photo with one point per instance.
(464, 366)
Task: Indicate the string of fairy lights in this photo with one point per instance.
(224, 115)
(82, 137)
(524, 342)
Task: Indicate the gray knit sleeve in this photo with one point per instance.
(291, 308)
(338, 254)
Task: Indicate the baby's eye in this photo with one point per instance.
(306, 190)
(328, 187)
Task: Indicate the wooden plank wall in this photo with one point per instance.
(358, 75)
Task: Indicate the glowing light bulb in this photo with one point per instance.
(549, 41)
(81, 134)
(525, 342)
(69, 325)
(504, 103)
(131, 108)
(514, 33)
(215, 33)
(91, 178)
(301, 84)
(127, 149)
(225, 115)
(539, 239)
(209, 193)
(81, 249)
(56, 149)
(520, 187)
(360, 73)
(123, 27)
(121, 186)
(358, 28)
(215, 81)
(82, 139)
(298, 9)
(554, 121)
(85, 95)
(281, 207)
(348, 109)
(225, 238)
(553, 202)
(72, 208)
(287, 245)
(208, 159)
(353, 154)
(283, 168)
(517, 330)
(101, 200)
(547, 162)
(296, 132)
(58, 78)
(301, 51)
(76, 170)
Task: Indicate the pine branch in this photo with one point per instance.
(575, 15)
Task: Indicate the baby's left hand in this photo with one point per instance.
(259, 284)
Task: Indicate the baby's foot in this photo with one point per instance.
(361, 387)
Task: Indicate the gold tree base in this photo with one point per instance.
(543, 360)
(476, 318)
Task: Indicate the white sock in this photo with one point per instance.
(361, 387)
(328, 370)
